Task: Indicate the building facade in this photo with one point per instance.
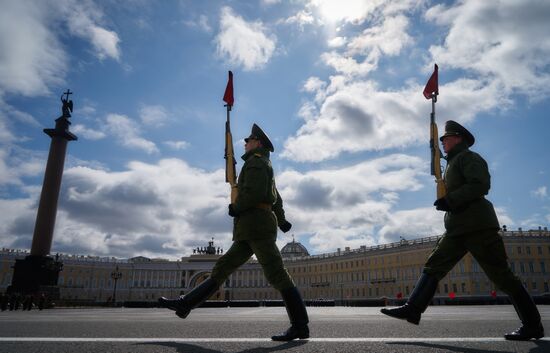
(388, 270)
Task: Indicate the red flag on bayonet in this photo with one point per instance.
(228, 95)
(432, 87)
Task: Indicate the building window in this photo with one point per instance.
(539, 250)
(463, 287)
(534, 285)
(546, 288)
(522, 267)
(454, 288)
(519, 250)
(542, 267)
(475, 266)
(446, 287)
(531, 267)
(528, 250)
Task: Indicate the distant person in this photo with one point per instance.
(471, 226)
(41, 301)
(257, 212)
(4, 299)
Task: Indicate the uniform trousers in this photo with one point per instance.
(268, 256)
(487, 248)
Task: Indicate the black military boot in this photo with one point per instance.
(297, 314)
(185, 303)
(529, 316)
(418, 301)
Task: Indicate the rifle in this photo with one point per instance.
(441, 189)
(230, 162)
(430, 92)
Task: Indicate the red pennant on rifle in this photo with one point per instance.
(432, 87)
(228, 95)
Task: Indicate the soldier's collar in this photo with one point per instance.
(259, 152)
(462, 146)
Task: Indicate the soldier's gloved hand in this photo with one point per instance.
(442, 204)
(285, 226)
(232, 211)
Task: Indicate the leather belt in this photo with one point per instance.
(263, 206)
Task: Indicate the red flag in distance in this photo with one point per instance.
(432, 87)
(452, 295)
(228, 95)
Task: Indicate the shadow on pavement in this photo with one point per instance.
(187, 348)
(542, 347)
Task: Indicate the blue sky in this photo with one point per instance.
(336, 84)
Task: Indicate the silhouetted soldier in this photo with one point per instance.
(471, 225)
(257, 211)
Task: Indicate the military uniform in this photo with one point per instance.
(259, 209)
(471, 223)
(471, 226)
(257, 212)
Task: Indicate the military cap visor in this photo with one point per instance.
(258, 134)
(452, 128)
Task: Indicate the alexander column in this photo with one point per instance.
(39, 272)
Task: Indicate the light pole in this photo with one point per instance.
(115, 275)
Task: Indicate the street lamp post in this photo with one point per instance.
(115, 275)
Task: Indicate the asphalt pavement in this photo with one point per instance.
(468, 329)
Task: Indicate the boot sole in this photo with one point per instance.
(182, 313)
(165, 304)
(289, 339)
(519, 338)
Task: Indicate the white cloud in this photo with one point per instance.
(33, 56)
(17, 163)
(302, 18)
(153, 115)
(540, 192)
(352, 206)
(356, 116)
(128, 133)
(90, 134)
(83, 19)
(177, 145)
(167, 208)
(314, 84)
(243, 43)
(337, 42)
(507, 41)
(270, 2)
(354, 11)
(412, 224)
(388, 39)
(200, 23)
(162, 209)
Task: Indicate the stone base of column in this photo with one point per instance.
(36, 275)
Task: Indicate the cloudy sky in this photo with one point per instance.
(336, 84)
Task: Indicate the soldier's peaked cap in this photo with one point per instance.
(452, 128)
(258, 134)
